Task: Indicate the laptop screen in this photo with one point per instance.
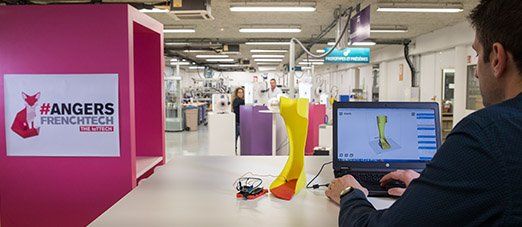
(386, 134)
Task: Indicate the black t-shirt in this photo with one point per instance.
(237, 102)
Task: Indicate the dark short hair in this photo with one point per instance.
(499, 21)
(273, 80)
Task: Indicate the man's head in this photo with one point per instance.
(273, 84)
(498, 43)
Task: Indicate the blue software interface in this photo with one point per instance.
(386, 134)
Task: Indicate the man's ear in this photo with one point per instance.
(499, 59)
(24, 96)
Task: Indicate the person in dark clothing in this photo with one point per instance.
(239, 100)
(475, 178)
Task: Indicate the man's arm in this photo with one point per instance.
(463, 184)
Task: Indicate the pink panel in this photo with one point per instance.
(316, 115)
(148, 88)
(74, 39)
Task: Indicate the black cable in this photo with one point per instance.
(316, 186)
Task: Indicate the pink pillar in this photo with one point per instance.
(82, 39)
(316, 115)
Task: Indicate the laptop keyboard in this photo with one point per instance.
(371, 180)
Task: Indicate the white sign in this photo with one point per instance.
(62, 115)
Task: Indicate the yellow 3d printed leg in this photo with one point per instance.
(381, 124)
(292, 179)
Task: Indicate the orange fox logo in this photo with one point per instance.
(23, 124)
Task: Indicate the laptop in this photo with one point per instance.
(371, 139)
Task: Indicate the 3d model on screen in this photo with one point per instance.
(382, 136)
(381, 124)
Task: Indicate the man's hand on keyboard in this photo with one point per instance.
(405, 176)
(339, 184)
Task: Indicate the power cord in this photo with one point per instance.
(316, 186)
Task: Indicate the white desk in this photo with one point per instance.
(198, 191)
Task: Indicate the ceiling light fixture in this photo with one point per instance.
(179, 30)
(273, 7)
(386, 30)
(320, 51)
(364, 43)
(313, 60)
(420, 7)
(154, 10)
(267, 51)
(180, 63)
(212, 56)
(177, 44)
(311, 63)
(267, 63)
(230, 65)
(267, 43)
(196, 51)
(196, 67)
(268, 60)
(265, 68)
(270, 30)
(220, 60)
(268, 56)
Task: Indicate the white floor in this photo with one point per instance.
(187, 142)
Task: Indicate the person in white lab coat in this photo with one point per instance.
(273, 91)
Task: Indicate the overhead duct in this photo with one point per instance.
(191, 9)
(341, 24)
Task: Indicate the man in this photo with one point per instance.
(476, 176)
(273, 91)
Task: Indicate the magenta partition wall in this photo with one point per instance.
(316, 115)
(82, 39)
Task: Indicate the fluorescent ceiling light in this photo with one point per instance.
(306, 67)
(268, 56)
(179, 30)
(195, 51)
(388, 30)
(311, 63)
(267, 43)
(273, 7)
(265, 68)
(270, 30)
(268, 51)
(220, 60)
(196, 67)
(212, 56)
(313, 60)
(177, 44)
(267, 63)
(268, 60)
(420, 10)
(180, 63)
(230, 65)
(420, 7)
(367, 43)
(320, 51)
(154, 10)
